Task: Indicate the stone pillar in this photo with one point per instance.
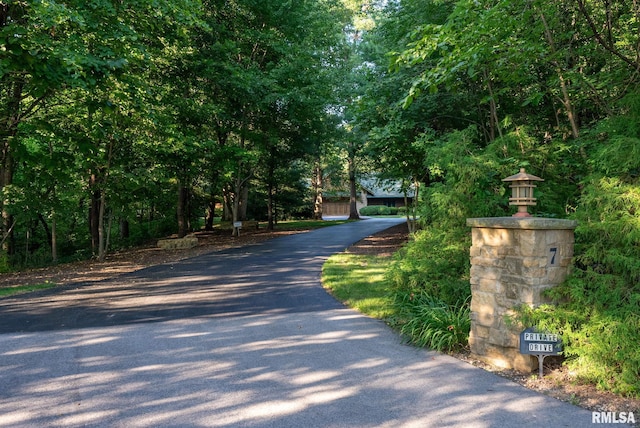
(513, 260)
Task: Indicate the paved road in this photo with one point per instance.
(239, 338)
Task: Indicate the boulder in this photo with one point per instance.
(188, 241)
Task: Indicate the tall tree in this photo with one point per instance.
(51, 48)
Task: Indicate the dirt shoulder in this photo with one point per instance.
(134, 259)
(384, 243)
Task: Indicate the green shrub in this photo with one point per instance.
(369, 210)
(372, 210)
(597, 309)
(435, 262)
(430, 284)
(600, 347)
(432, 323)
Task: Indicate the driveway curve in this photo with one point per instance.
(244, 337)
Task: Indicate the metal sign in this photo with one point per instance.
(533, 342)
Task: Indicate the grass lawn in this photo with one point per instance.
(358, 281)
(10, 291)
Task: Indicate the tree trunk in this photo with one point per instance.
(353, 192)
(9, 130)
(211, 213)
(235, 210)
(271, 190)
(54, 239)
(412, 217)
(94, 214)
(182, 210)
(107, 240)
(244, 201)
(6, 179)
(270, 207)
(227, 205)
(493, 108)
(101, 238)
(566, 99)
(240, 199)
(46, 228)
(124, 228)
(317, 191)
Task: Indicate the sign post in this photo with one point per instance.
(237, 225)
(533, 342)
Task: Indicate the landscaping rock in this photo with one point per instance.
(188, 241)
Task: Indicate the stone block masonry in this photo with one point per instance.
(188, 241)
(513, 261)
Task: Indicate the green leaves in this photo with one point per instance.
(115, 102)
(432, 323)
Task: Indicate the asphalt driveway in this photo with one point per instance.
(245, 337)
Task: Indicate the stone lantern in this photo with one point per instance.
(522, 185)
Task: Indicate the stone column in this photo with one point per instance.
(513, 260)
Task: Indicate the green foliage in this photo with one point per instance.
(597, 307)
(372, 210)
(362, 282)
(487, 88)
(11, 291)
(605, 286)
(435, 262)
(600, 346)
(110, 108)
(432, 323)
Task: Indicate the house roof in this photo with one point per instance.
(377, 188)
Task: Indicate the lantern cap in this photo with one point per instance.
(523, 176)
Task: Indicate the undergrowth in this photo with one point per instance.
(432, 323)
(597, 310)
(430, 285)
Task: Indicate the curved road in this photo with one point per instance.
(245, 337)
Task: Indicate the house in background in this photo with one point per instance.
(336, 203)
(387, 193)
(372, 192)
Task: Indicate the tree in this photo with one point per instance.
(255, 84)
(54, 51)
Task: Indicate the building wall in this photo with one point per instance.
(335, 208)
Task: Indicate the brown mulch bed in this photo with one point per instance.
(557, 381)
(384, 243)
